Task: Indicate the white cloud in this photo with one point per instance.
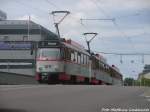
(85, 5)
(124, 4)
(73, 20)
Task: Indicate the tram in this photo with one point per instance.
(66, 61)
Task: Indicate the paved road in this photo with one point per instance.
(72, 98)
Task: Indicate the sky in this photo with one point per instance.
(128, 33)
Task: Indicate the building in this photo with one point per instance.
(23, 30)
(146, 69)
(145, 73)
(3, 15)
(17, 38)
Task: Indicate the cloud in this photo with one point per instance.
(112, 5)
(85, 5)
(73, 20)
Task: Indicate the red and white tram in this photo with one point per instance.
(68, 62)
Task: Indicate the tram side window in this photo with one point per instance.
(65, 53)
(87, 59)
(82, 58)
(93, 63)
(108, 69)
(76, 57)
(72, 56)
(79, 58)
(62, 53)
(97, 64)
(100, 65)
(105, 67)
(68, 54)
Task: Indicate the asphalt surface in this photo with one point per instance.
(73, 98)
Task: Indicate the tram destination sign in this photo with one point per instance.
(47, 44)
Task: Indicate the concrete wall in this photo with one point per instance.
(17, 61)
(147, 76)
(27, 72)
(9, 78)
(16, 54)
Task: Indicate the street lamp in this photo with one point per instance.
(58, 22)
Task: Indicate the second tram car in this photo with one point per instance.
(68, 62)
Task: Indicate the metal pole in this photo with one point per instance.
(90, 70)
(28, 27)
(57, 29)
(88, 44)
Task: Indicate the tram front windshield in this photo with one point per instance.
(52, 53)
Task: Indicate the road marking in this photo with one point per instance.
(19, 87)
(146, 97)
(148, 100)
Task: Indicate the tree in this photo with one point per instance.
(128, 81)
(145, 82)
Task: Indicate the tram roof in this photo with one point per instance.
(75, 48)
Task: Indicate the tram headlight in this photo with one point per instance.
(40, 68)
(55, 67)
(47, 66)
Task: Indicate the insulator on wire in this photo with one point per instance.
(143, 59)
(132, 61)
(121, 61)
